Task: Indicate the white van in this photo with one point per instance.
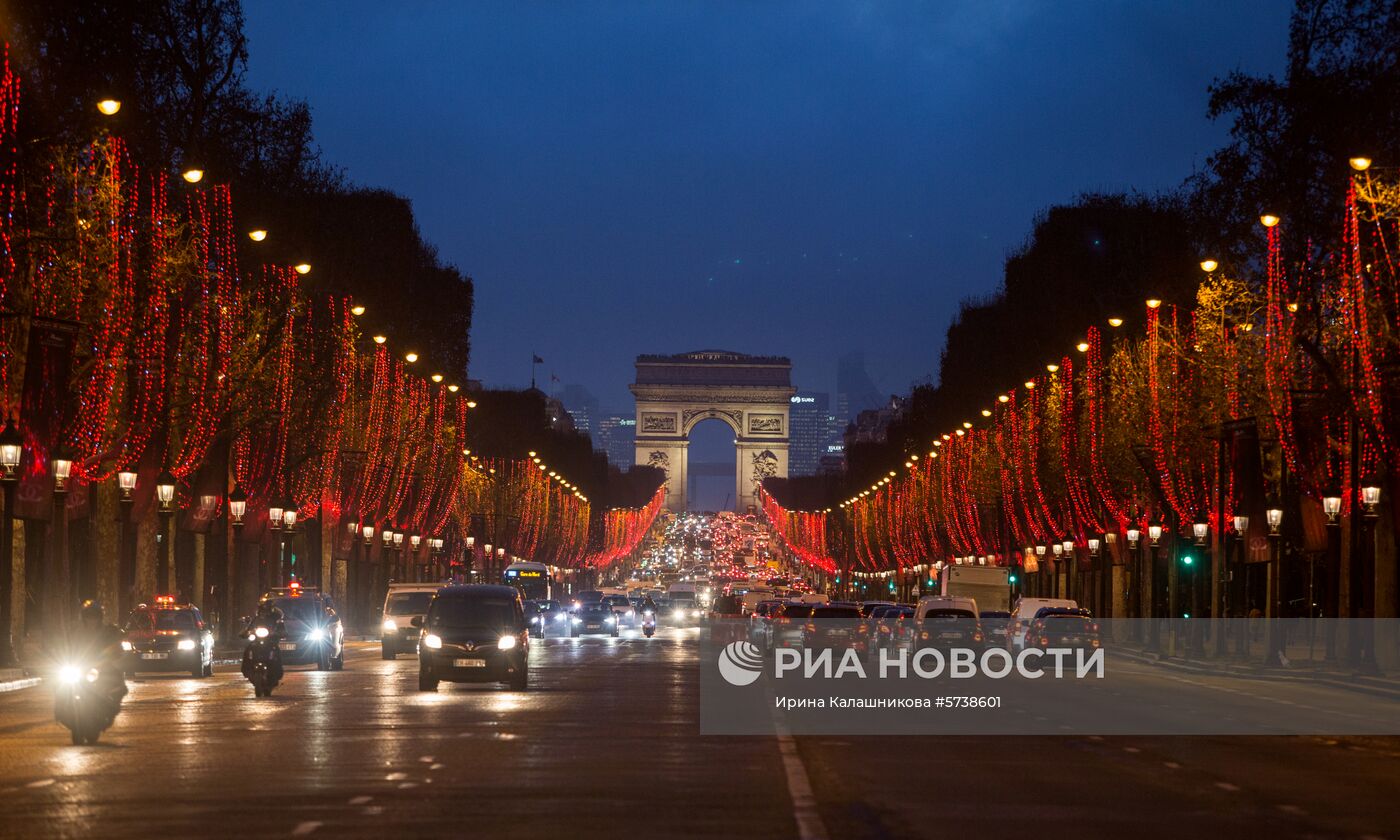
(402, 602)
(1024, 613)
(942, 602)
(813, 598)
(755, 595)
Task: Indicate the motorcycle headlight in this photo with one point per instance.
(260, 632)
(185, 644)
(69, 674)
(92, 675)
(316, 634)
(251, 637)
(126, 645)
(432, 641)
(506, 643)
(390, 625)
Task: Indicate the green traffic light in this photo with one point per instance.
(1187, 559)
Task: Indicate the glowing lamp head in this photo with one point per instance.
(1082, 347)
(1153, 303)
(302, 268)
(1269, 220)
(1332, 505)
(1154, 533)
(1274, 516)
(165, 489)
(1115, 322)
(237, 503)
(193, 175)
(109, 107)
(1241, 524)
(1360, 164)
(380, 339)
(410, 357)
(357, 310)
(1209, 265)
(1052, 368)
(257, 234)
(437, 377)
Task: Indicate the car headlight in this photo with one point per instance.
(389, 625)
(577, 620)
(561, 616)
(69, 674)
(185, 644)
(610, 620)
(126, 645)
(432, 641)
(316, 634)
(260, 632)
(506, 643)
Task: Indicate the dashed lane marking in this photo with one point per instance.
(305, 828)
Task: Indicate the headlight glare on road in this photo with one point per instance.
(185, 644)
(506, 643)
(69, 674)
(432, 641)
(389, 625)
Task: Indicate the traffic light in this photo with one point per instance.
(1187, 560)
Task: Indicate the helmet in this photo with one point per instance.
(92, 611)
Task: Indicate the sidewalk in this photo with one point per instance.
(1299, 669)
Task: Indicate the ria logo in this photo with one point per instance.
(740, 663)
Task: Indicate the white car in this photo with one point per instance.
(402, 603)
(622, 609)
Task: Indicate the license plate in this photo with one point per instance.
(287, 646)
(155, 656)
(469, 663)
(1073, 640)
(950, 636)
(593, 627)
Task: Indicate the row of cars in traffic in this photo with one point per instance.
(935, 621)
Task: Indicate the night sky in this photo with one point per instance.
(790, 178)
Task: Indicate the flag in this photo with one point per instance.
(538, 361)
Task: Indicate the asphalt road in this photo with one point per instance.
(605, 744)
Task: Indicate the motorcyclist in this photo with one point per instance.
(98, 644)
(268, 616)
(648, 606)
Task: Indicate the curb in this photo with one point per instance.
(1258, 673)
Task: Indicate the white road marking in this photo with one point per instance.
(305, 828)
(40, 783)
(359, 800)
(804, 803)
(394, 777)
(1171, 764)
(1227, 786)
(1291, 809)
(1131, 750)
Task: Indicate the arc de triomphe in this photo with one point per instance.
(749, 393)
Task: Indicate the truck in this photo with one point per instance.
(989, 586)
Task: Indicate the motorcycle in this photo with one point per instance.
(648, 623)
(86, 700)
(262, 663)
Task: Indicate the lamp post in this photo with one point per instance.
(1274, 643)
(126, 561)
(1241, 629)
(11, 446)
(1154, 624)
(1071, 567)
(62, 467)
(471, 558)
(1370, 499)
(165, 496)
(1039, 568)
(1097, 592)
(1135, 576)
(289, 529)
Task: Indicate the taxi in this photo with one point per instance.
(166, 636)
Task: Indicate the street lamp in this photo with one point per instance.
(1371, 498)
(1274, 516)
(1154, 533)
(126, 482)
(109, 107)
(274, 516)
(165, 495)
(367, 532)
(62, 469)
(1133, 536)
(1332, 505)
(1093, 546)
(1200, 529)
(237, 504)
(11, 445)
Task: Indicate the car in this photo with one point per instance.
(1060, 627)
(546, 615)
(867, 607)
(166, 636)
(1023, 613)
(760, 619)
(593, 619)
(868, 628)
(315, 634)
(586, 596)
(785, 624)
(894, 628)
(622, 608)
(949, 626)
(995, 624)
(402, 602)
(832, 627)
(726, 606)
(684, 608)
(474, 633)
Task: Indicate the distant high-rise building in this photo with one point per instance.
(812, 425)
(855, 391)
(617, 436)
(583, 407)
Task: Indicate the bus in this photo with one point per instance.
(532, 579)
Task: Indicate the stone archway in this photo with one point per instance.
(749, 393)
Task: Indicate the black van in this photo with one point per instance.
(473, 634)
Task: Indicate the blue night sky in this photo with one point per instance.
(794, 178)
